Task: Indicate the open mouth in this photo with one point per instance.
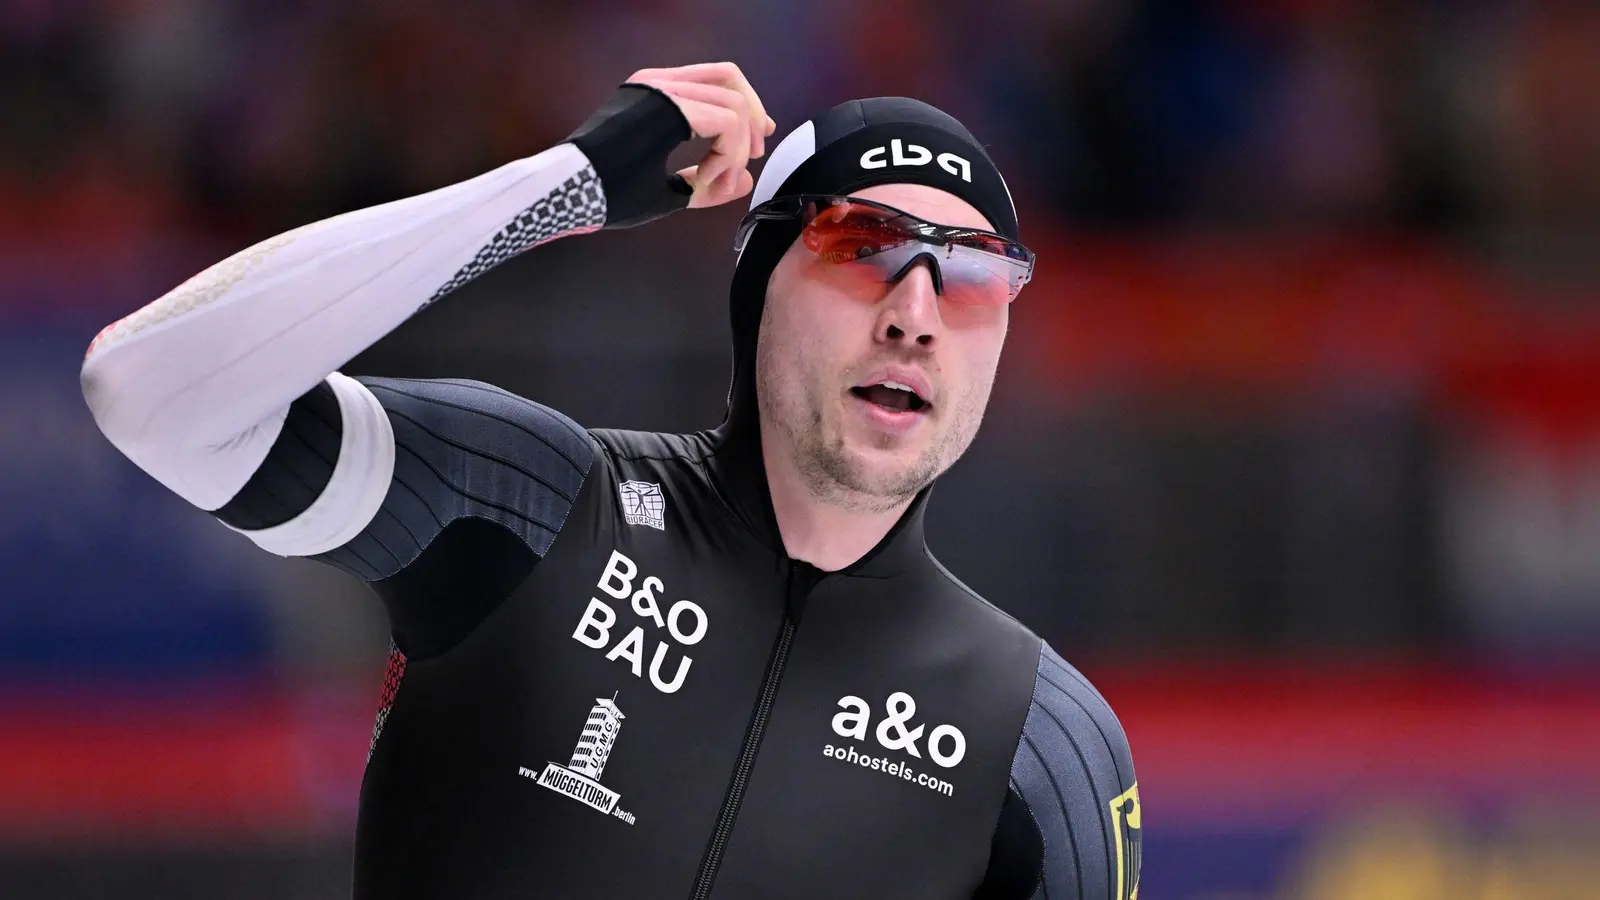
(891, 395)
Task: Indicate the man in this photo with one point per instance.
(643, 665)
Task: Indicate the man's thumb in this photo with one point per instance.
(730, 185)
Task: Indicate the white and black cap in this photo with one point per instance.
(886, 140)
(857, 144)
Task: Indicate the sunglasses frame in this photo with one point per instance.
(790, 208)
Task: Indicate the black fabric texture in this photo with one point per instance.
(628, 140)
(296, 469)
(453, 585)
(1016, 857)
(466, 795)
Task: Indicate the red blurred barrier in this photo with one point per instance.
(202, 761)
(1264, 744)
(1246, 745)
(1260, 318)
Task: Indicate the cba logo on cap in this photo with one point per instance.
(904, 154)
(882, 140)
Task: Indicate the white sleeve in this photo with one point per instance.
(195, 386)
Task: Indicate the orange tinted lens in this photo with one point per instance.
(986, 243)
(984, 291)
(845, 232)
(974, 283)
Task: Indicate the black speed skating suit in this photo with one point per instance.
(611, 681)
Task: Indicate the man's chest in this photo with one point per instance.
(643, 718)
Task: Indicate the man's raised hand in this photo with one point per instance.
(719, 104)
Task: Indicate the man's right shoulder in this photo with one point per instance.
(656, 478)
(442, 493)
(469, 450)
(646, 446)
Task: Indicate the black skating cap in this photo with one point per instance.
(857, 144)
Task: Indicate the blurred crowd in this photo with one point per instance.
(245, 117)
(1167, 156)
(1307, 384)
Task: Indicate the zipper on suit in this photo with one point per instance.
(798, 584)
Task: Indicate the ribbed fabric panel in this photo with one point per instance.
(1072, 761)
(296, 469)
(467, 449)
(482, 476)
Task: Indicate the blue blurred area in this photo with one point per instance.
(1210, 861)
(106, 576)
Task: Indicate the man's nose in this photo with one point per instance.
(910, 312)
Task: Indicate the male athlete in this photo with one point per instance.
(720, 664)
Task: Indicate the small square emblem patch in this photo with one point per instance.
(642, 504)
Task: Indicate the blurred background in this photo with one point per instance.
(1295, 449)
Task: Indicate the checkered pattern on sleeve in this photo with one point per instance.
(577, 205)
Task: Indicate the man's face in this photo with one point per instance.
(826, 341)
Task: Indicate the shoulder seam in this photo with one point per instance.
(1066, 815)
(1038, 875)
(1110, 751)
(489, 415)
(690, 458)
(566, 422)
(975, 595)
(699, 462)
(1088, 772)
(598, 449)
(1022, 737)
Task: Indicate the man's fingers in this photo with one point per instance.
(708, 120)
(727, 75)
(718, 103)
(730, 185)
(741, 184)
(759, 120)
(728, 98)
(732, 99)
(692, 175)
(724, 128)
(761, 124)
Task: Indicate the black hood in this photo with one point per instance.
(855, 145)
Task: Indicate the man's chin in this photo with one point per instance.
(885, 474)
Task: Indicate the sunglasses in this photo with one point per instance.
(878, 244)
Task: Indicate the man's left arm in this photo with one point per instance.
(1069, 828)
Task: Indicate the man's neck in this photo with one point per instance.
(829, 533)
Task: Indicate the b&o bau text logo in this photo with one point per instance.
(685, 622)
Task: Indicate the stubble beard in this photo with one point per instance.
(829, 468)
(838, 475)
